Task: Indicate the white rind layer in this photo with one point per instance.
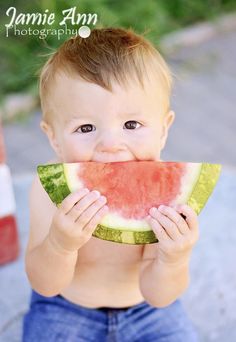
(71, 171)
(187, 181)
(115, 221)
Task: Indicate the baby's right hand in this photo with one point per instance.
(76, 219)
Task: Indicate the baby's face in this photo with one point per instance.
(94, 124)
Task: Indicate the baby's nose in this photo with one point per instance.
(110, 144)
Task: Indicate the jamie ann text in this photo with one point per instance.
(70, 16)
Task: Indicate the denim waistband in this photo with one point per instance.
(36, 297)
(109, 308)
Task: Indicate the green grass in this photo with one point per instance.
(22, 56)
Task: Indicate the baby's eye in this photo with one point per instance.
(131, 124)
(86, 128)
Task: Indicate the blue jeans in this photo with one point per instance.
(55, 319)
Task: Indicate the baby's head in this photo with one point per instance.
(106, 98)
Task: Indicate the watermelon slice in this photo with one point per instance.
(131, 189)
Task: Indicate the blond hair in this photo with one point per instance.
(108, 54)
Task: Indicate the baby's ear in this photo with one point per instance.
(168, 119)
(50, 132)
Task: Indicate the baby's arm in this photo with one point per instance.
(55, 237)
(49, 269)
(162, 283)
(164, 274)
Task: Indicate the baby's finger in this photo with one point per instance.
(83, 204)
(68, 203)
(88, 214)
(159, 231)
(191, 216)
(169, 226)
(174, 216)
(95, 220)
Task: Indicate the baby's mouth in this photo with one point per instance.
(112, 159)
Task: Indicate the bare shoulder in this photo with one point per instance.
(41, 211)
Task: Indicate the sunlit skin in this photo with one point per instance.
(129, 123)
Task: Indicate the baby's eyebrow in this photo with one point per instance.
(130, 114)
(76, 117)
(82, 116)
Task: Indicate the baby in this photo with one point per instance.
(105, 98)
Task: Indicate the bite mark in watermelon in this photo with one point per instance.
(131, 189)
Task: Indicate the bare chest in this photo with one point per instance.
(106, 274)
(98, 251)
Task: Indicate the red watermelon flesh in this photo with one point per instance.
(131, 194)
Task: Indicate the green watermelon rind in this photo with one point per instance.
(125, 236)
(208, 177)
(54, 181)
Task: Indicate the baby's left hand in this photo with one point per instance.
(176, 235)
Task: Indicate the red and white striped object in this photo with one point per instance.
(9, 242)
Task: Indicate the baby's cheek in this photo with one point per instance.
(147, 150)
(75, 152)
(147, 146)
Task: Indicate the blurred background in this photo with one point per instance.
(202, 58)
(198, 40)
